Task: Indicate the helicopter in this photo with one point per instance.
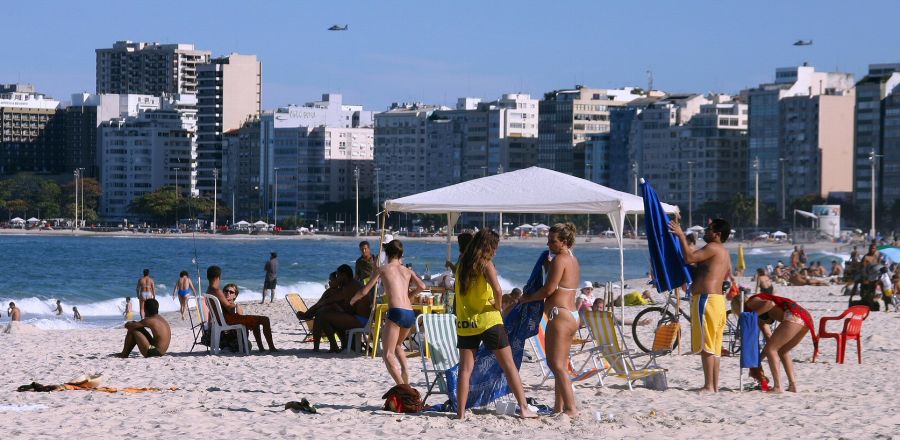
(803, 43)
(339, 28)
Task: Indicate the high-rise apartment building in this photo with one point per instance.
(31, 131)
(693, 149)
(768, 138)
(874, 94)
(138, 154)
(566, 119)
(401, 145)
(86, 113)
(308, 155)
(241, 171)
(149, 68)
(229, 94)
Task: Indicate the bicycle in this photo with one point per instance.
(655, 316)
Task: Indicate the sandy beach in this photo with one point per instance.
(231, 396)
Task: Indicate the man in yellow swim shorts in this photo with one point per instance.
(707, 299)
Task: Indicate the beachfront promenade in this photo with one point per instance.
(219, 395)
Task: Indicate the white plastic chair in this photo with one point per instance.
(217, 326)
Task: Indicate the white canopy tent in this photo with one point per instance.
(531, 190)
(779, 234)
(242, 224)
(34, 220)
(525, 226)
(17, 220)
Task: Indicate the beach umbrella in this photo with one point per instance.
(741, 263)
(666, 259)
(525, 226)
(891, 253)
(17, 220)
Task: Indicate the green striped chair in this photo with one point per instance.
(439, 332)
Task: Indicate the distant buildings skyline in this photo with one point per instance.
(805, 129)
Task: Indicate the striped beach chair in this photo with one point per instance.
(606, 334)
(589, 367)
(439, 332)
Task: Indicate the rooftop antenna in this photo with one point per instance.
(649, 81)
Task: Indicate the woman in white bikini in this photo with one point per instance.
(562, 316)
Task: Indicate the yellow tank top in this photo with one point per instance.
(474, 311)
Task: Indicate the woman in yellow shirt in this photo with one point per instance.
(478, 318)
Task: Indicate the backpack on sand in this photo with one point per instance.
(403, 399)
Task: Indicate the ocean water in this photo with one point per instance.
(96, 273)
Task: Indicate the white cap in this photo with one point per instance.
(587, 285)
(387, 239)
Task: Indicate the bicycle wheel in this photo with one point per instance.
(652, 318)
(731, 339)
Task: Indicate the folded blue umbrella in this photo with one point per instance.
(666, 259)
(749, 333)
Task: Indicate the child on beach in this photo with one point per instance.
(887, 289)
(400, 316)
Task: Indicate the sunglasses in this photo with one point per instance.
(230, 291)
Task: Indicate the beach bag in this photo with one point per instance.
(656, 382)
(403, 399)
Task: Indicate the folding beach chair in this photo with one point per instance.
(588, 369)
(439, 332)
(606, 334)
(200, 327)
(298, 305)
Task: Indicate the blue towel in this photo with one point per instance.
(666, 259)
(748, 329)
(488, 383)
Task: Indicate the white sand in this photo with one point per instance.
(242, 397)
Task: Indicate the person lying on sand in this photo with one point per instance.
(151, 335)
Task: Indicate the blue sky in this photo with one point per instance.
(436, 51)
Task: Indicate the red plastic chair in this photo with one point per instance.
(852, 329)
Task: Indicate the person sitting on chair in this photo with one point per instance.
(253, 322)
(336, 315)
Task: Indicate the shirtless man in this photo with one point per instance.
(836, 269)
(146, 289)
(336, 315)
(795, 258)
(400, 316)
(15, 313)
(253, 322)
(707, 301)
(59, 310)
(151, 335)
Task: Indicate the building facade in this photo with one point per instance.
(85, 114)
(567, 117)
(228, 94)
(31, 132)
(769, 140)
(149, 68)
(401, 145)
(138, 154)
(874, 94)
(241, 170)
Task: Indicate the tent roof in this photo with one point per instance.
(260, 223)
(17, 220)
(524, 226)
(242, 223)
(33, 219)
(531, 190)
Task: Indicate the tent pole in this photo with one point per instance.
(449, 238)
(622, 263)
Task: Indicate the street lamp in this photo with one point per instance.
(81, 177)
(483, 214)
(176, 169)
(377, 193)
(275, 210)
(75, 176)
(756, 192)
(783, 205)
(356, 179)
(690, 193)
(872, 158)
(215, 197)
